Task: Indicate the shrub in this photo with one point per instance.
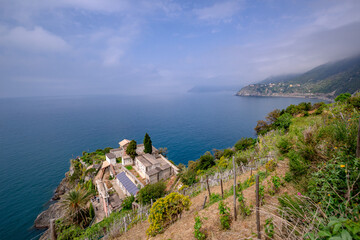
(336, 183)
(270, 165)
(288, 177)
(250, 181)
(66, 231)
(151, 191)
(262, 127)
(284, 145)
(198, 232)
(339, 228)
(119, 160)
(224, 215)
(244, 143)
(318, 111)
(355, 101)
(214, 197)
(107, 150)
(218, 153)
(206, 161)
(342, 97)
(284, 121)
(91, 211)
(188, 177)
(127, 203)
(244, 209)
(269, 228)
(297, 164)
(276, 181)
(273, 116)
(261, 194)
(166, 211)
(223, 163)
(228, 153)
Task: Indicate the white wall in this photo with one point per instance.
(111, 160)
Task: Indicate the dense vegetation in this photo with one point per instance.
(320, 142)
(151, 191)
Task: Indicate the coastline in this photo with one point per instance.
(279, 95)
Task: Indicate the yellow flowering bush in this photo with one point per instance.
(270, 165)
(165, 211)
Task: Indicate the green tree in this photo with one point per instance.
(147, 144)
(131, 149)
(262, 127)
(273, 116)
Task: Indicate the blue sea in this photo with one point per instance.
(38, 137)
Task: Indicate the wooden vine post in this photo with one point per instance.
(222, 191)
(204, 202)
(258, 207)
(235, 217)
(207, 183)
(358, 143)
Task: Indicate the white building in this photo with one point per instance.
(110, 158)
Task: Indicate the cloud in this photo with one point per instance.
(219, 12)
(36, 39)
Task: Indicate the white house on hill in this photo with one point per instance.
(110, 158)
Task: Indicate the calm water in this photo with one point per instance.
(38, 136)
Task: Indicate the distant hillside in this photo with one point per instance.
(280, 78)
(325, 81)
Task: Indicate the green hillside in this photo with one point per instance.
(327, 81)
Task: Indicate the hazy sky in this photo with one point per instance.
(67, 47)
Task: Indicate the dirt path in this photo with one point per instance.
(241, 229)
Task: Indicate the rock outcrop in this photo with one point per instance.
(63, 187)
(54, 211)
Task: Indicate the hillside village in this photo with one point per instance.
(120, 176)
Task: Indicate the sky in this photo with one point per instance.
(151, 47)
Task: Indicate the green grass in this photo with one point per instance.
(129, 167)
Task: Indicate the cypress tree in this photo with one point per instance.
(147, 144)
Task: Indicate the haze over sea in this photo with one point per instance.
(38, 137)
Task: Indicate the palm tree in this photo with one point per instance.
(75, 202)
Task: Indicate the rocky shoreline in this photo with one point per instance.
(55, 210)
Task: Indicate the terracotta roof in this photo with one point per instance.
(124, 142)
